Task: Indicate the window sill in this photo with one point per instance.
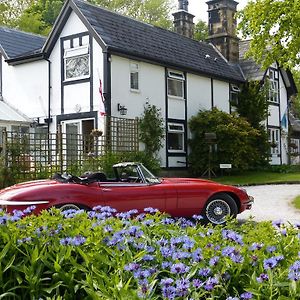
(135, 91)
(176, 98)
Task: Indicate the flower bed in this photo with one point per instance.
(95, 255)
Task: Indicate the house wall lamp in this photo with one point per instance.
(122, 109)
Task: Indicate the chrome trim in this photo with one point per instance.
(10, 203)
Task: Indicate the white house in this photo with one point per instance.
(96, 61)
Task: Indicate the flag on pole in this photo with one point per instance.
(102, 102)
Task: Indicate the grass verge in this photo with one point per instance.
(259, 177)
(296, 202)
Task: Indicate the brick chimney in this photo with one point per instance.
(222, 28)
(183, 20)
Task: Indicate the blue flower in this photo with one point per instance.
(182, 287)
(148, 257)
(132, 267)
(197, 217)
(232, 236)
(197, 283)
(29, 209)
(214, 261)
(204, 272)
(210, 283)
(135, 231)
(167, 221)
(294, 273)
(271, 249)
(140, 217)
(151, 210)
(270, 263)
(169, 292)
(166, 264)
(75, 241)
(4, 219)
(147, 222)
(179, 268)
(277, 223)
(246, 295)
(166, 282)
(256, 246)
(262, 277)
(197, 255)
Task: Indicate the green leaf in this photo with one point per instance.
(9, 264)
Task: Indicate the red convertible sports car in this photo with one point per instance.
(134, 187)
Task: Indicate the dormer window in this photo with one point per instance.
(176, 84)
(77, 63)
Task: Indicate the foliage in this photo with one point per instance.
(105, 162)
(93, 255)
(273, 28)
(296, 202)
(40, 15)
(252, 103)
(151, 129)
(237, 142)
(201, 31)
(295, 103)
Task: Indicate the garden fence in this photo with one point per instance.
(36, 154)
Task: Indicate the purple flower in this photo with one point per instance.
(294, 275)
(256, 246)
(167, 251)
(4, 219)
(140, 217)
(197, 283)
(29, 209)
(262, 277)
(198, 217)
(271, 249)
(277, 223)
(148, 257)
(147, 222)
(166, 282)
(214, 261)
(141, 274)
(75, 241)
(182, 287)
(232, 236)
(169, 292)
(179, 268)
(180, 255)
(151, 210)
(135, 231)
(204, 272)
(210, 283)
(166, 264)
(197, 255)
(132, 267)
(246, 295)
(270, 263)
(167, 221)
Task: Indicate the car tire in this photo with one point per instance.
(218, 207)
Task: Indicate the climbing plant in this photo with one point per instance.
(151, 129)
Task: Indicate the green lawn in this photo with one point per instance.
(296, 202)
(259, 177)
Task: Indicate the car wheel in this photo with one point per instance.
(218, 208)
(69, 206)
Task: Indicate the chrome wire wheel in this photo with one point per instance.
(217, 210)
(69, 206)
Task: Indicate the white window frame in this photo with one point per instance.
(77, 52)
(274, 86)
(134, 69)
(274, 138)
(177, 77)
(295, 150)
(181, 132)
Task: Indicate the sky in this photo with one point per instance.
(199, 8)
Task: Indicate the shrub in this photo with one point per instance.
(237, 142)
(95, 255)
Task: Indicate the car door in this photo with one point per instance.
(125, 196)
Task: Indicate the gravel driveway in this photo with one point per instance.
(273, 202)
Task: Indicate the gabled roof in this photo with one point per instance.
(125, 36)
(251, 70)
(10, 114)
(15, 43)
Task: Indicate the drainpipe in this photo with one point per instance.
(49, 109)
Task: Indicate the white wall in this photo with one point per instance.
(25, 87)
(151, 90)
(221, 95)
(198, 94)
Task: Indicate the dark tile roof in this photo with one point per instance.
(251, 70)
(126, 35)
(18, 43)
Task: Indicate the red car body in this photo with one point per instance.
(136, 189)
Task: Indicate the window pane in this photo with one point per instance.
(134, 80)
(175, 87)
(77, 66)
(175, 141)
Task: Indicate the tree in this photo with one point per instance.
(201, 31)
(295, 104)
(273, 26)
(40, 16)
(252, 103)
(237, 142)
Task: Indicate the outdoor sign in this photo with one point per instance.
(225, 166)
